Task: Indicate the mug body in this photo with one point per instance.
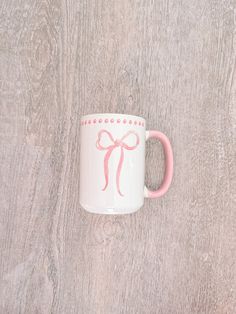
(112, 161)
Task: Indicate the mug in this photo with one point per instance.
(112, 163)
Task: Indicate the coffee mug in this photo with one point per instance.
(112, 163)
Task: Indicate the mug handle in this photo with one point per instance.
(168, 164)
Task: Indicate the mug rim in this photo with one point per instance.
(109, 115)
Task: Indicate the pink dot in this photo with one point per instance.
(112, 120)
(94, 121)
(85, 122)
(89, 122)
(82, 122)
(130, 121)
(106, 120)
(124, 121)
(100, 120)
(139, 123)
(135, 122)
(118, 120)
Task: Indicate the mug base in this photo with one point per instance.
(110, 211)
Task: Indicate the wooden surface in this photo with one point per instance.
(172, 62)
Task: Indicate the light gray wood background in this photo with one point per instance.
(171, 61)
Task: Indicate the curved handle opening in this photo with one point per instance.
(169, 164)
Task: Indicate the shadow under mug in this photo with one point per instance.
(112, 163)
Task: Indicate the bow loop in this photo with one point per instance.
(105, 140)
(130, 140)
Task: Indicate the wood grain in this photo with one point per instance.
(172, 62)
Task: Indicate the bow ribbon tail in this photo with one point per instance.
(106, 169)
(119, 170)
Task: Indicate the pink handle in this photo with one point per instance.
(168, 161)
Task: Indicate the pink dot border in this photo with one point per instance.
(113, 121)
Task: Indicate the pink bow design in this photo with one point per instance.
(115, 143)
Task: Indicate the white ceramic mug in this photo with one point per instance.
(112, 163)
